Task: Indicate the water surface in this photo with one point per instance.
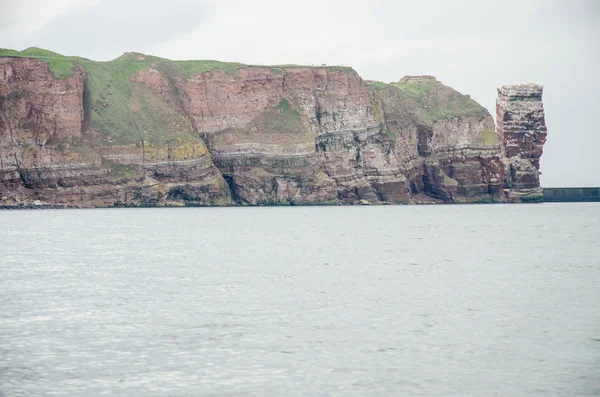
(463, 300)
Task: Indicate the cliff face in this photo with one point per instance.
(522, 128)
(142, 130)
(52, 154)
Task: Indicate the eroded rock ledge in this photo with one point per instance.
(144, 131)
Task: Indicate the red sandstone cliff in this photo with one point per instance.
(255, 135)
(522, 128)
(50, 154)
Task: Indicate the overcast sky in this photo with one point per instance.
(472, 45)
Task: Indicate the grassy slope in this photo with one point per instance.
(282, 118)
(281, 124)
(107, 99)
(422, 101)
(128, 113)
(429, 100)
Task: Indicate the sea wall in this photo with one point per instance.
(571, 194)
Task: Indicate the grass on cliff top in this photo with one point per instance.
(127, 113)
(377, 85)
(186, 69)
(60, 65)
(63, 66)
(332, 68)
(439, 101)
(181, 69)
(429, 100)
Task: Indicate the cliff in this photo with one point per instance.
(146, 131)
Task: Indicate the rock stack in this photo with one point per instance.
(522, 129)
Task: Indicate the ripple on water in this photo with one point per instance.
(379, 301)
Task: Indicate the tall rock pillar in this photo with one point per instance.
(522, 129)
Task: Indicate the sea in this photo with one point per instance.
(431, 300)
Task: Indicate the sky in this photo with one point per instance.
(473, 46)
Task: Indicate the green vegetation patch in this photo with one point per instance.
(421, 101)
(128, 113)
(424, 100)
(345, 69)
(190, 68)
(281, 124)
(5, 52)
(391, 135)
(120, 172)
(377, 85)
(60, 65)
(284, 106)
(107, 99)
(487, 137)
(333, 68)
(478, 200)
(282, 118)
(449, 181)
(159, 123)
(435, 101)
(187, 69)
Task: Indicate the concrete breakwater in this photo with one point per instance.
(571, 194)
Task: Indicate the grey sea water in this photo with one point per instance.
(469, 300)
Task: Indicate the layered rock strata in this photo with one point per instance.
(522, 129)
(143, 131)
(51, 155)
